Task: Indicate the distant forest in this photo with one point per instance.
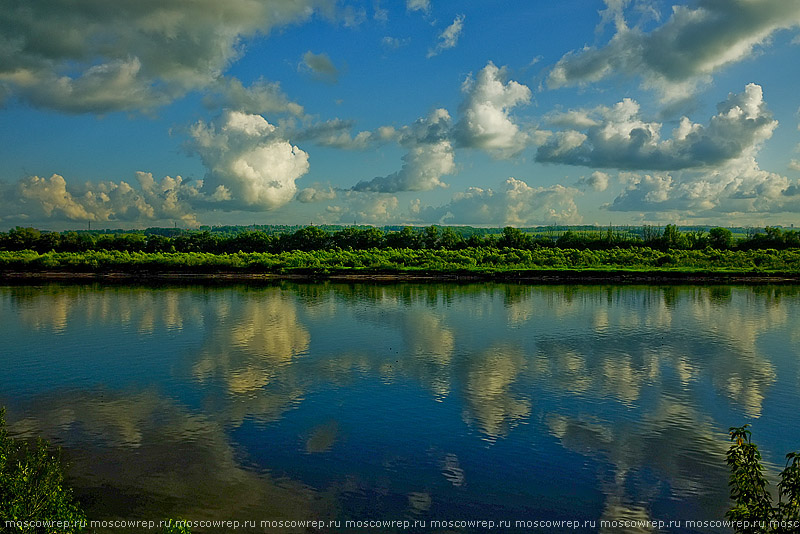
(277, 239)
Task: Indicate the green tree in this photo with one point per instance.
(307, 238)
(479, 241)
(405, 238)
(23, 238)
(76, 242)
(32, 486)
(202, 241)
(49, 241)
(570, 239)
(720, 238)
(450, 239)
(673, 238)
(358, 238)
(158, 243)
(514, 238)
(430, 237)
(248, 241)
(697, 239)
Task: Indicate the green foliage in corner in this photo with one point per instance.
(753, 508)
(33, 497)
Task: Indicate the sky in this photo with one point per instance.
(138, 113)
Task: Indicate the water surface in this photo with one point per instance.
(405, 401)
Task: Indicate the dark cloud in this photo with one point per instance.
(96, 57)
(320, 66)
(692, 44)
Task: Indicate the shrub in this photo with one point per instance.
(32, 488)
(753, 505)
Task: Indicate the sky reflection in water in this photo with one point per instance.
(402, 401)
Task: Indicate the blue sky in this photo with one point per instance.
(136, 113)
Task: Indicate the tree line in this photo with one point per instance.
(311, 238)
(481, 260)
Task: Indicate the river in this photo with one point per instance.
(403, 402)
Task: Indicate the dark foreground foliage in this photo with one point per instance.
(32, 490)
(33, 497)
(753, 507)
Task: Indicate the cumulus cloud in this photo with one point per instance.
(320, 66)
(598, 181)
(249, 166)
(430, 156)
(688, 48)
(621, 139)
(99, 57)
(449, 37)
(260, 97)
(738, 187)
(516, 203)
(571, 119)
(486, 122)
(336, 133)
(35, 198)
(374, 210)
(794, 165)
(364, 208)
(315, 194)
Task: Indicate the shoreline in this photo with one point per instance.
(544, 276)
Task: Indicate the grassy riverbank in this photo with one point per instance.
(481, 262)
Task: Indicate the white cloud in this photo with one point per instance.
(571, 119)
(736, 188)
(430, 156)
(352, 17)
(515, 204)
(418, 5)
(598, 181)
(41, 199)
(621, 139)
(49, 197)
(379, 13)
(564, 142)
(249, 166)
(336, 133)
(366, 208)
(320, 66)
(485, 124)
(393, 43)
(260, 97)
(315, 194)
(687, 49)
(98, 57)
(449, 37)
(794, 165)
(423, 167)
(486, 121)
